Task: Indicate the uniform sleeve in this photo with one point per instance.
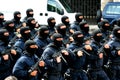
(93, 54)
(48, 58)
(19, 47)
(19, 70)
(112, 49)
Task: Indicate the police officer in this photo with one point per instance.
(9, 25)
(79, 62)
(16, 19)
(75, 25)
(53, 58)
(32, 24)
(42, 39)
(19, 44)
(2, 21)
(25, 62)
(62, 29)
(51, 24)
(105, 28)
(95, 60)
(84, 26)
(65, 20)
(6, 55)
(29, 13)
(114, 63)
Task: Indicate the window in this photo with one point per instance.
(53, 6)
(113, 9)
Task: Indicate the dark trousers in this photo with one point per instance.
(98, 75)
(114, 72)
(55, 77)
(78, 75)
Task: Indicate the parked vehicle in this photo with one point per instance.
(42, 9)
(111, 12)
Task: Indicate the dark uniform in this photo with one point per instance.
(105, 27)
(19, 44)
(29, 13)
(31, 23)
(22, 67)
(115, 55)
(62, 29)
(51, 24)
(84, 26)
(78, 64)
(95, 60)
(2, 21)
(9, 25)
(75, 25)
(16, 19)
(53, 58)
(66, 22)
(5, 58)
(42, 40)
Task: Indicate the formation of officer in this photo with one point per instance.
(63, 51)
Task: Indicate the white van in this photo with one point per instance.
(42, 9)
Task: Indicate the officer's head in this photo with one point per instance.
(104, 24)
(30, 47)
(51, 21)
(1, 17)
(31, 22)
(78, 37)
(84, 26)
(65, 20)
(61, 28)
(25, 32)
(17, 15)
(79, 17)
(29, 12)
(97, 35)
(57, 39)
(116, 32)
(4, 35)
(9, 25)
(43, 32)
